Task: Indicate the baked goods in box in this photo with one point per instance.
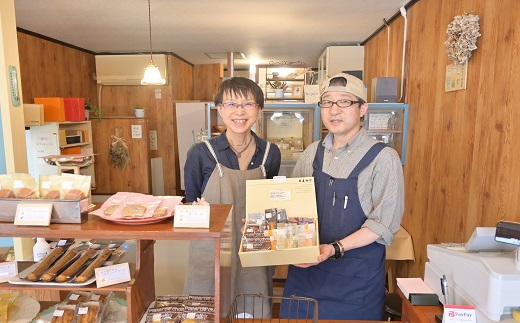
(50, 186)
(76, 296)
(64, 314)
(88, 312)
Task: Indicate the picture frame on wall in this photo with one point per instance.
(297, 91)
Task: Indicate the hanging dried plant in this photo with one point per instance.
(462, 32)
(119, 153)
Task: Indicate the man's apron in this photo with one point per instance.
(228, 186)
(353, 287)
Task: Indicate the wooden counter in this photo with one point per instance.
(140, 291)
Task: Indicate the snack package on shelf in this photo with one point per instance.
(64, 314)
(89, 312)
(50, 186)
(74, 187)
(6, 300)
(18, 185)
(77, 296)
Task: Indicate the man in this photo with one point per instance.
(360, 199)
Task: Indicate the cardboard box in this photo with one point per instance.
(33, 114)
(53, 108)
(295, 195)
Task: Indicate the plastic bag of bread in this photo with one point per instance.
(70, 272)
(64, 314)
(50, 186)
(77, 296)
(24, 186)
(6, 186)
(88, 312)
(74, 187)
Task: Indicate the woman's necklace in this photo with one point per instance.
(239, 153)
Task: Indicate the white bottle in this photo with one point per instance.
(41, 249)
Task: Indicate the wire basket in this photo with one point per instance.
(243, 309)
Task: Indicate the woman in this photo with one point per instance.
(217, 170)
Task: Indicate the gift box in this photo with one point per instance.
(281, 222)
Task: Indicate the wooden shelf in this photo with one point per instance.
(140, 291)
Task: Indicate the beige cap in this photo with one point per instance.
(354, 86)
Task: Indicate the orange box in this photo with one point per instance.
(71, 151)
(53, 108)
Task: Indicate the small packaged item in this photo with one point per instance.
(89, 312)
(74, 187)
(64, 314)
(6, 186)
(76, 296)
(24, 186)
(76, 265)
(50, 186)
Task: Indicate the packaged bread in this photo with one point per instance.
(88, 312)
(50, 186)
(6, 186)
(64, 314)
(24, 186)
(89, 271)
(74, 187)
(76, 296)
(65, 260)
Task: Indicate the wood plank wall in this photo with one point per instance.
(461, 169)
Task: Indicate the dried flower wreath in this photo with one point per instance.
(462, 32)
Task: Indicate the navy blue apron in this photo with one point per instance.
(350, 288)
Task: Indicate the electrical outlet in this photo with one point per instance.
(153, 139)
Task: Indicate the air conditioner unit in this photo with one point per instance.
(127, 69)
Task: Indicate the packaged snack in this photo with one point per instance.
(74, 187)
(45, 263)
(50, 186)
(6, 299)
(88, 312)
(64, 314)
(24, 186)
(66, 260)
(76, 265)
(6, 186)
(76, 296)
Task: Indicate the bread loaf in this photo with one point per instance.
(101, 258)
(45, 263)
(53, 271)
(73, 269)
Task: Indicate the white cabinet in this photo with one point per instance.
(337, 59)
(51, 139)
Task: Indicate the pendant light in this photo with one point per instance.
(152, 76)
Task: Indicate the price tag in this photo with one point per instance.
(33, 214)
(111, 275)
(191, 216)
(459, 314)
(8, 270)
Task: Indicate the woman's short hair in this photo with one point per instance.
(239, 86)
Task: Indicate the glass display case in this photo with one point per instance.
(290, 126)
(388, 123)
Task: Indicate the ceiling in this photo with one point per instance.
(266, 30)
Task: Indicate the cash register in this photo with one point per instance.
(483, 273)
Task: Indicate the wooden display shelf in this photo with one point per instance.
(140, 292)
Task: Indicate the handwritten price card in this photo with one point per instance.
(111, 275)
(191, 216)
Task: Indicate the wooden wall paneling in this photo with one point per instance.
(181, 80)
(49, 69)
(136, 176)
(460, 171)
(206, 79)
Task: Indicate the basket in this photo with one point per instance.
(237, 312)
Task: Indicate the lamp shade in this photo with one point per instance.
(152, 76)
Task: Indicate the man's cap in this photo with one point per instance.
(354, 86)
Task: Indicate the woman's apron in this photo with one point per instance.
(352, 287)
(228, 186)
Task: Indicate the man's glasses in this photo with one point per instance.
(339, 103)
(231, 106)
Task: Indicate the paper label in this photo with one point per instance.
(111, 275)
(33, 214)
(7, 270)
(191, 216)
(459, 314)
(280, 195)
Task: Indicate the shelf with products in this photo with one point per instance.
(386, 122)
(282, 82)
(59, 138)
(140, 291)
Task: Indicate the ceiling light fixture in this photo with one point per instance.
(152, 76)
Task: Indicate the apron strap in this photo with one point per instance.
(267, 147)
(214, 156)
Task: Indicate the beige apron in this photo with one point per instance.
(228, 186)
